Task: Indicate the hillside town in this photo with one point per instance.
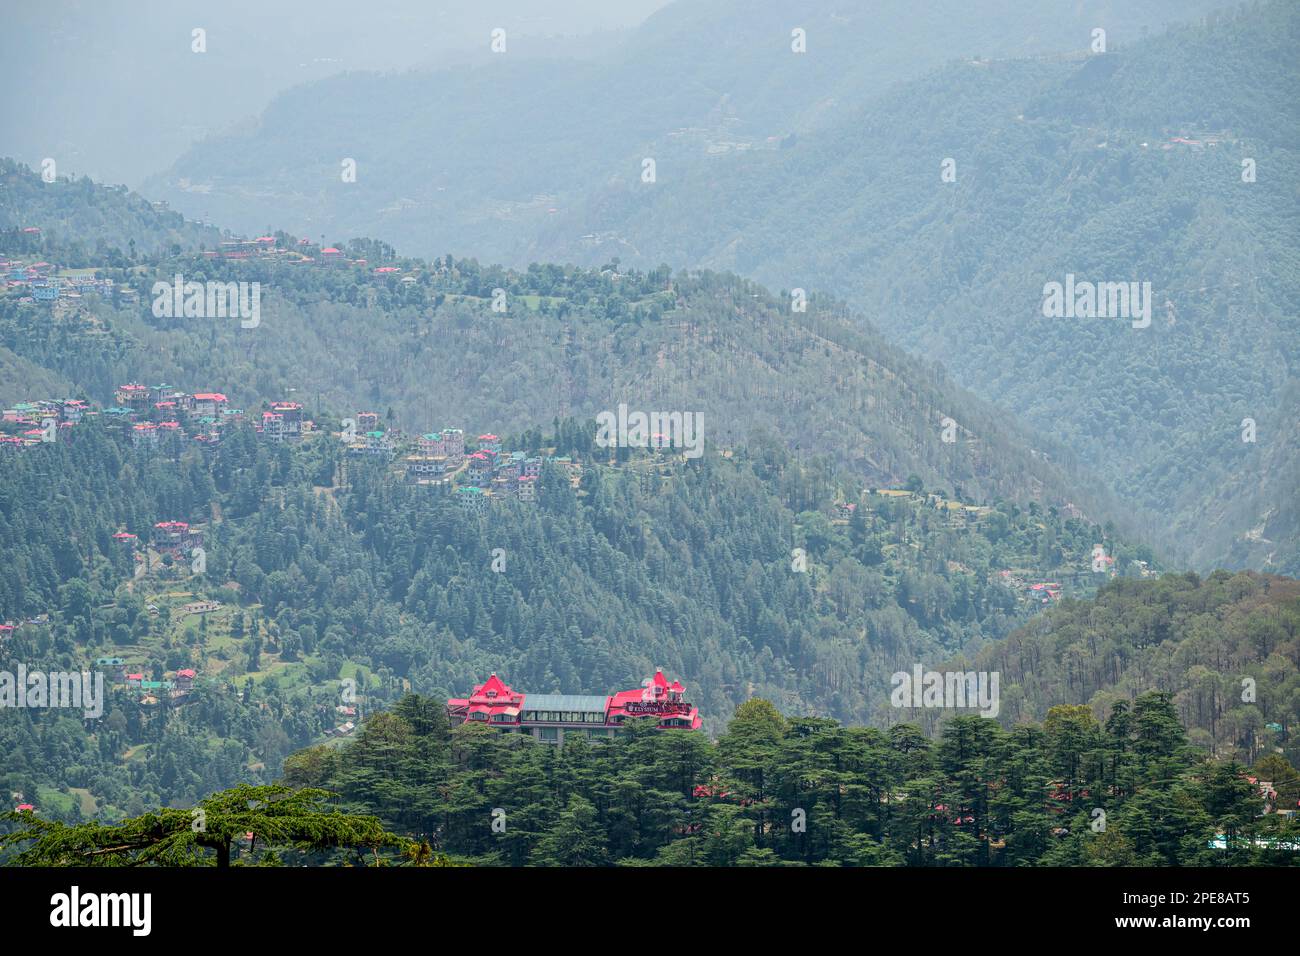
(34, 280)
(43, 282)
(165, 420)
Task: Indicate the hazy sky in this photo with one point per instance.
(112, 89)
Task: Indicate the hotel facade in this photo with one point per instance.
(552, 717)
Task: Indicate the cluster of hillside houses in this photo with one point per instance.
(147, 692)
(166, 419)
(42, 282)
(303, 252)
(154, 416)
(45, 282)
(481, 476)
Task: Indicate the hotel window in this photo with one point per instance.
(550, 733)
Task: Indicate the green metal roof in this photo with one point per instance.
(580, 703)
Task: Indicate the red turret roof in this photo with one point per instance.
(657, 698)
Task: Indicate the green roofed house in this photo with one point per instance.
(374, 444)
(118, 413)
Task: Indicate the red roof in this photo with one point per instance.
(492, 697)
(706, 790)
(658, 698)
(209, 397)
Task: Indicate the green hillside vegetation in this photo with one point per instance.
(1226, 648)
(1113, 167)
(1062, 166)
(427, 347)
(323, 574)
(90, 223)
(287, 827)
(775, 791)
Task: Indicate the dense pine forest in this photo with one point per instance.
(1167, 157)
(327, 569)
(771, 791)
(804, 575)
(774, 791)
(307, 551)
(424, 342)
(1225, 647)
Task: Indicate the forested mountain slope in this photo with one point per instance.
(325, 571)
(746, 571)
(1115, 168)
(1125, 166)
(423, 342)
(705, 76)
(1225, 648)
(83, 219)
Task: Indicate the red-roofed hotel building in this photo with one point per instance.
(550, 717)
